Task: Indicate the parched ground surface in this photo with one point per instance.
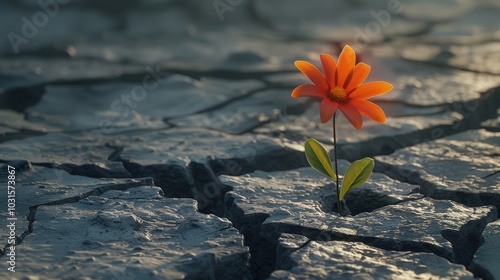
(158, 140)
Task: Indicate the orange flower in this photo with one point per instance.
(341, 88)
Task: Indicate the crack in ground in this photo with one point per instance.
(95, 192)
(491, 129)
(438, 64)
(429, 189)
(20, 98)
(218, 106)
(20, 134)
(87, 170)
(492, 174)
(11, 97)
(463, 254)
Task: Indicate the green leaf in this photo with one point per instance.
(356, 175)
(318, 158)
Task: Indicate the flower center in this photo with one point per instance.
(337, 94)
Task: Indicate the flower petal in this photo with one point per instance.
(352, 115)
(312, 73)
(347, 59)
(370, 90)
(369, 110)
(359, 75)
(308, 90)
(329, 68)
(327, 110)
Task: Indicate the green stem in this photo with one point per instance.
(336, 164)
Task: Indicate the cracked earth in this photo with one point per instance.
(159, 142)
